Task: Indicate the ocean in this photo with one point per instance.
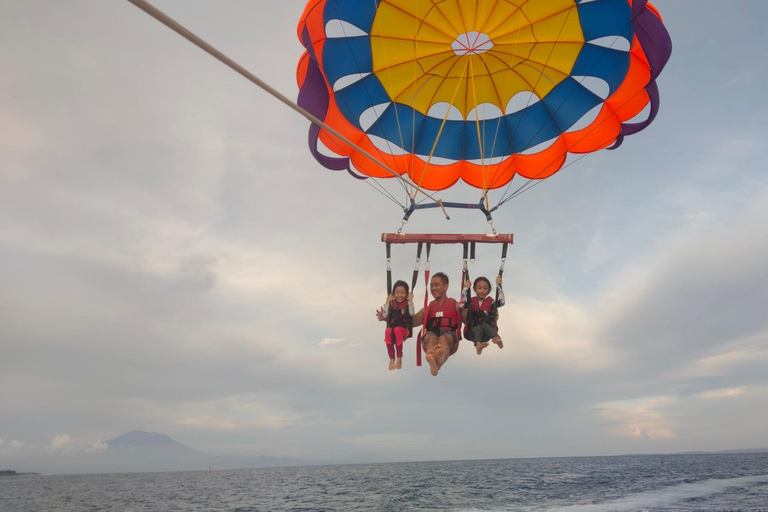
(650, 483)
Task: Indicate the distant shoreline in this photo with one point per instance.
(8, 472)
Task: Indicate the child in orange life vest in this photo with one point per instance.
(481, 313)
(398, 313)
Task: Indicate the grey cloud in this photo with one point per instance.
(147, 188)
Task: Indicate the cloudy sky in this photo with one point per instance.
(173, 260)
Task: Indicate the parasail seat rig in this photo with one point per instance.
(468, 242)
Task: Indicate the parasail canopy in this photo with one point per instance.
(476, 90)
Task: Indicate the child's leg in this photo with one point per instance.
(488, 332)
(492, 335)
(480, 342)
(390, 347)
(400, 333)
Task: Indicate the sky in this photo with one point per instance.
(173, 259)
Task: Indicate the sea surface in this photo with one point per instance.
(730, 482)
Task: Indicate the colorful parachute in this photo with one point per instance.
(477, 90)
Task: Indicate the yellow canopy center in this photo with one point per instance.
(421, 50)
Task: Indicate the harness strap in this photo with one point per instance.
(426, 304)
(465, 274)
(501, 268)
(436, 324)
(396, 316)
(466, 254)
(389, 269)
(464, 277)
(480, 317)
(416, 267)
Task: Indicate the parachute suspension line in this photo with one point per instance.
(477, 124)
(415, 74)
(383, 191)
(531, 183)
(413, 127)
(200, 43)
(525, 187)
(544, 65)
(370, 100)
(410, 165)
(504, 107)
(378, 186)
(394, 103)
(440, 131)
(481, 138)
(412, 189)
(410, 104)
(528, 185)
(371, 181)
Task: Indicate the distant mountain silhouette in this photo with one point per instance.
(139, 440)
(155, 450)
(139, 451)
(152, 451)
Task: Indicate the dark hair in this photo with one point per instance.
(442, 276)
(401, 283)
(479, 279)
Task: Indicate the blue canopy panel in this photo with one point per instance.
(513, 133)
(359, 13)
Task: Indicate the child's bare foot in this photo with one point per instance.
(391, 364)
(480, 346)
(433, 366)
(498, 341)
(399, 363)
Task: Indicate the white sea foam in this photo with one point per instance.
(666, 496)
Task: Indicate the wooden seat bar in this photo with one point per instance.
(447, 238)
